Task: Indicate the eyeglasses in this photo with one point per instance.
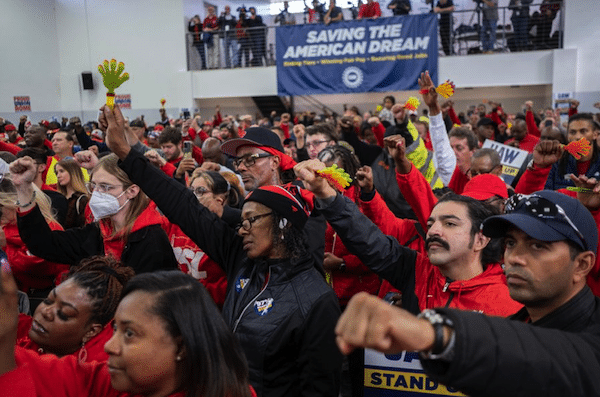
(250, 160)
(246, 224)
(475, 173)
(315, 144)
(101, 187)
(540, 207)
(200, 191)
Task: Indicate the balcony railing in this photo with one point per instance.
(255, 47)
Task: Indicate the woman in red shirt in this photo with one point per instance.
(74, 318)
(169, 340)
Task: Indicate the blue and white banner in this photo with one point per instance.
(383, 54)
(511, 158)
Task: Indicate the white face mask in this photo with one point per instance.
(104, 205)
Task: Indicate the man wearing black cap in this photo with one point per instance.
(549, 348)
(485, 129)
(259, 157)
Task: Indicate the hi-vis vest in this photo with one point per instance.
(422, 158)
(51, 173)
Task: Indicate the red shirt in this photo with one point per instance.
(583, 166)
(527, 144)
(369, 10)
(211, 22)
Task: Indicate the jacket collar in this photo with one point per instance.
(282, 270)
(572, 316)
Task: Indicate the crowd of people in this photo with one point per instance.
(214, 259)
(243, 40)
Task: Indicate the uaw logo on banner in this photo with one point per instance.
(22, 104)
(511, 158)
(400, 375)
(383, 54)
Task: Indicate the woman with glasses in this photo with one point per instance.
(71, 184)
(125, 227)
(277, 304)
(35, 275)
(215, 193)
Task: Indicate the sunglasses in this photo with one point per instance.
(539, 207)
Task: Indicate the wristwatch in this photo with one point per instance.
(343, 266)
(439, 351)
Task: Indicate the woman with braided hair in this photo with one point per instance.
(75, 317)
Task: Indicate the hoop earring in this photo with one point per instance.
(82, 356)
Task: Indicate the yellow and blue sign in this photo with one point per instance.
(383, 54)
(400, 375)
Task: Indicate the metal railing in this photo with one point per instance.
(513, 33)
(255, 47)
(245, 47)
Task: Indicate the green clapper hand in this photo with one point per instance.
(112, 78)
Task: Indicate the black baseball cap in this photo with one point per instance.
(547, 216)
(255, 136)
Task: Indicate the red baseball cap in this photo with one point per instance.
(484, 186)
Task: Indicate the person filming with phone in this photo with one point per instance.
(179, 159)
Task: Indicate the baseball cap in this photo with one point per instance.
(485, 186)
(485, 121)
(255, 136)
(546, 216)
(136, 123)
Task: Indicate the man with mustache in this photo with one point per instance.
(460, 270)
(549, 348)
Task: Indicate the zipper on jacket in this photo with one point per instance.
(237, 321)
(448, 281)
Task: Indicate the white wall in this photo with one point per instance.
(29, 65)
(583, 33)
(59, 39)
(66, 37)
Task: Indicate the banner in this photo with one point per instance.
(511, 158)
(123, 100)
(367, 55)
(22, 104)
(400, 375)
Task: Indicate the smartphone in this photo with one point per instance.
(187, 149)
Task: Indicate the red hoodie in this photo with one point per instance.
(193, 261)
(114, 244)
(30, 271)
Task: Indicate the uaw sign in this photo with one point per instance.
(400, 375)
(512, 159)
(383, 54)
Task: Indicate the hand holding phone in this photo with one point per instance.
(187, 149)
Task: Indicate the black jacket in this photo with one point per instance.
(558, 355)
(146, 249)
(284, 321)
